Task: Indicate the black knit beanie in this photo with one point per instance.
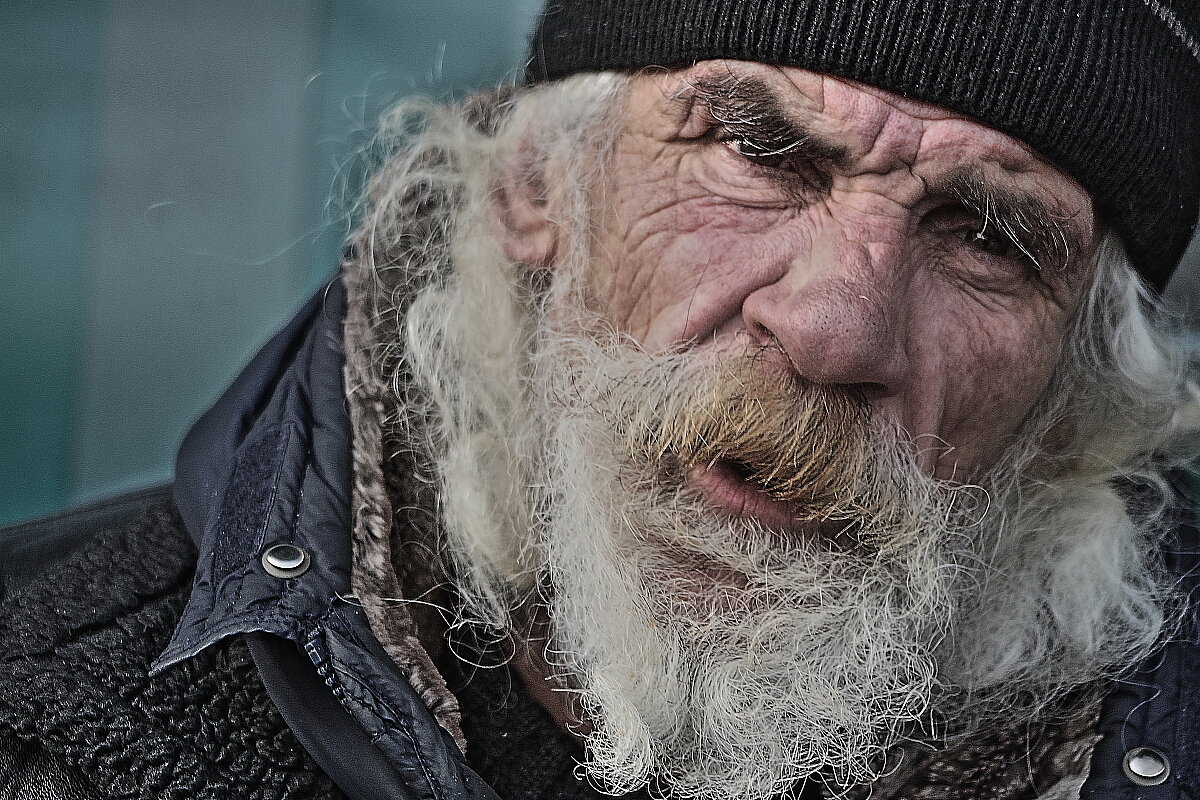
(1107, 89)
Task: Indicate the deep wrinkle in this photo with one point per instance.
(748, 114)
(749, 107)
(885, 285)
(747, 117)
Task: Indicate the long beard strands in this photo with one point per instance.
(705, 656)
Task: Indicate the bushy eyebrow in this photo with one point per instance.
(1042, 234)
(747, 107)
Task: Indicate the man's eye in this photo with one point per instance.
(985, 236)
(742, 146)
(760, 153)
(993, 241)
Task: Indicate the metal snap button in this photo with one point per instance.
(285, 561)
(1146, 766)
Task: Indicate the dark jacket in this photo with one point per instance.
(147, 650)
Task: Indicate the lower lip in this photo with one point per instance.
(722, 486)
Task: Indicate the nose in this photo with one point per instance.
(839, 313)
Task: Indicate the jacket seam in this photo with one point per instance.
(324, 668)
(289, 586)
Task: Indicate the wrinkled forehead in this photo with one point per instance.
(859, 129)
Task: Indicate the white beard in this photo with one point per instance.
(709, 656)
(714, 658)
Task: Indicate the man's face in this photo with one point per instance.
(812, 283)
(868, 240)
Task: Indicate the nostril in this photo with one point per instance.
(872, 391)
(827, 339)
(760, 334)
(739, 468)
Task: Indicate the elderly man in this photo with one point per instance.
(765, 399)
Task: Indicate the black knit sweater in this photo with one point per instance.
(76, 644)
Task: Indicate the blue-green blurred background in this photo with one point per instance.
(173, 186)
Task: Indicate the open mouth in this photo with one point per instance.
(726, 484)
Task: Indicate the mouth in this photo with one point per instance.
(726, 484)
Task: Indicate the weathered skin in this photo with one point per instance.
(873, 280)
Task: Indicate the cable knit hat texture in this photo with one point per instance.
(1109, 90)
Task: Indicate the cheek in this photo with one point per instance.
(679, 272)
(997, 364)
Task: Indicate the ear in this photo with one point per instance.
(521, 207)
